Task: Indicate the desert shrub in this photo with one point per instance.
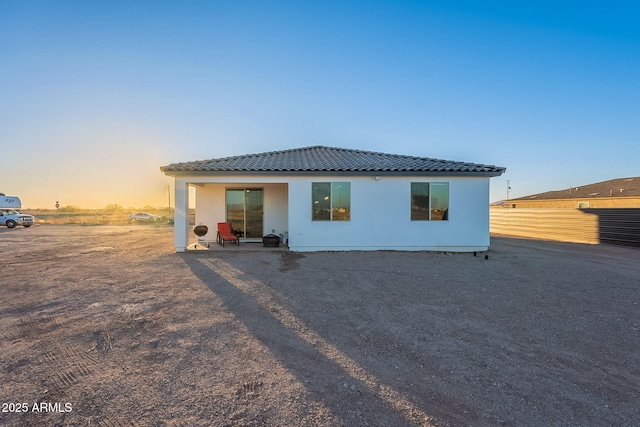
(114, 207)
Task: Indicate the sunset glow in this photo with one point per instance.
(97, 96)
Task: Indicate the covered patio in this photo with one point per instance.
(254, 208)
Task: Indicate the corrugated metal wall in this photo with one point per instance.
(611, 226)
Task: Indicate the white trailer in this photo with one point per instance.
(9, 202)
(9, 215)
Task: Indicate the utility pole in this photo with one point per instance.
(508, 188)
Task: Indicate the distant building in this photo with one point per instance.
(615, 193)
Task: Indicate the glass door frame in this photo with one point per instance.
(244, 228)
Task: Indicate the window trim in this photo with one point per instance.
(331, 198)
(429, 198)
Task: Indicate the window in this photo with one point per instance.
(331, 201)
(429, 201)
(321, 194)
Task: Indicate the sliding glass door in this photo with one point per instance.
(245, 211)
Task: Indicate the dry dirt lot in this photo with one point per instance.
(107, 326)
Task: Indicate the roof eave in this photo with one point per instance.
(183, 173)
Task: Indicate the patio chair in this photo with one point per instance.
(225, 234)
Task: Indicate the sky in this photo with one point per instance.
(96, 96)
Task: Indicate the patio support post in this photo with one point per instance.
(181, 219)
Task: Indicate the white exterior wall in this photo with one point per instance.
(380, 213)
(381, 217)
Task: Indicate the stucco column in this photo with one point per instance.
(181, 219)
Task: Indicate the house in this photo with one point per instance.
(326, 198)
(605, 212)
(614, 193)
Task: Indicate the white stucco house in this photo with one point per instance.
(326, 198)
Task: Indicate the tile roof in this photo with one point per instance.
(332, 160)
(620, 187)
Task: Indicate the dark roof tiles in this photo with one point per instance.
(619, 187)
(330, 159)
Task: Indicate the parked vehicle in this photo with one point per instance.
(9, 214)
(144, 216)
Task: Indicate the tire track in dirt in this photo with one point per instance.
(69, 365)
(177, 423)
(9, 330)
(114, 423)
(249, 389)
(63, 365)
(34, 326)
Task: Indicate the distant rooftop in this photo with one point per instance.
(620, 187)
(333, 160)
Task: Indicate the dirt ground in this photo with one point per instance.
(107, 326)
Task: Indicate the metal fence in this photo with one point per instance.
(610, 226)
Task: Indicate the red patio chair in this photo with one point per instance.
(225, 234)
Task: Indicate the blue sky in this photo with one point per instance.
(96, 96)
